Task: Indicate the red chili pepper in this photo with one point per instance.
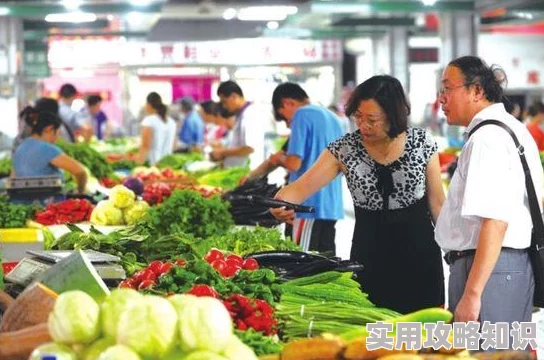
(203, 290)
(240, 324)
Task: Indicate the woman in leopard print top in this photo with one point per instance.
(393, 173)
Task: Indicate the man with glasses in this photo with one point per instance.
(312, 129)
(485, 224)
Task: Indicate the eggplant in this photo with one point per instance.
(267, 258)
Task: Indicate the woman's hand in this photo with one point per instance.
(283, 214)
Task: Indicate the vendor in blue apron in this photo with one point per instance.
(393, 174)
(38, 156)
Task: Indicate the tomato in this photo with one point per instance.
(155, 266)
(234, 263)
(250, 264)
(236, 258)
(128, 283)
(212, 255)
(165, 268)
(149, 275)
(180, 262)
(220, 266)
(231, 269)
(203, 290)
(146, 284)
(138, 276)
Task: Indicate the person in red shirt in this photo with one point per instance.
(536, 123)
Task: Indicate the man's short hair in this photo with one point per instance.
(187, 103)
(67, 91)
(93, 100)
(229, 87)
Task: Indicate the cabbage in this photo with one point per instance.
(236, 349)
(122, 197)
(113, 306)
(205, 355)
(96, 349)
(135, 212)
(119, 352)
(176, 355)
(134, 184)
(75, 318)
(105, 213)
(61, 352)
(180, 302)
(148, 327)
(205, 325)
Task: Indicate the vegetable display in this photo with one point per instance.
(65, 212)
(178, 161)
(92, 159)
(226, 179)
(14, 216)
(141, 327)
(5, 167)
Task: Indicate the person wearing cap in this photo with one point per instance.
(191, 134)
(75, 123)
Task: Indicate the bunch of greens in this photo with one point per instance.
(15, 216)
(186, 211)
(226, 179)
(261, 344)
(246, 241)
(123, 165)
(5, 167)
(178, 161)
(92, 159)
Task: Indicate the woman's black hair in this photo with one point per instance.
(155, 101)
(536, 108)
(490, 78)
(210, 107)
(43, 114)
(387, 91)
(38, 121)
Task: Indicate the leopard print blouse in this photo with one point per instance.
(408, 170)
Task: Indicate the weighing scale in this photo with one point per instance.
(32, 267)
(28, 190)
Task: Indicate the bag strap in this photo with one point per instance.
(536, 216)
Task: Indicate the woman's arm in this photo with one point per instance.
(434, 188)
(147, 133)
(325, 169)
(74, 167)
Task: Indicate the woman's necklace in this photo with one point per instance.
(387, 152)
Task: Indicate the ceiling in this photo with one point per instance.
(193, 20)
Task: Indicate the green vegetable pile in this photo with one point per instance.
(92, 159)
(178, 161)
(226, 179)
(261, 344)
(15, 216)
(123, 165)
(5, 167)
(186, 211)
(245, 241)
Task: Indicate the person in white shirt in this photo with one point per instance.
(158, 131)
(485, 224)
(74, 122)
(246, 139)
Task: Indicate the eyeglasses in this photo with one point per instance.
(371, 121)
(446, 90)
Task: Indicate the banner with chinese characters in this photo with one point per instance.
(266, 51)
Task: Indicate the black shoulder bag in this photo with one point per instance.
(536, 251)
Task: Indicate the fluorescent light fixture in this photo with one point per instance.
(272, 25)
(72, 17)
(140, 2)
(428, 2)
(333, 8)
(229, 14)
(72, 4)
(266, 13)
(135, 17)
(4, 11)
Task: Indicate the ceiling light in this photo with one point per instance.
(4, 11)
(266, 13)
(334, 8)
(140, 2)
(428, 2)
(229, 14)
(72, 4)
(73, 17)
(272, 25)
(135, 17)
